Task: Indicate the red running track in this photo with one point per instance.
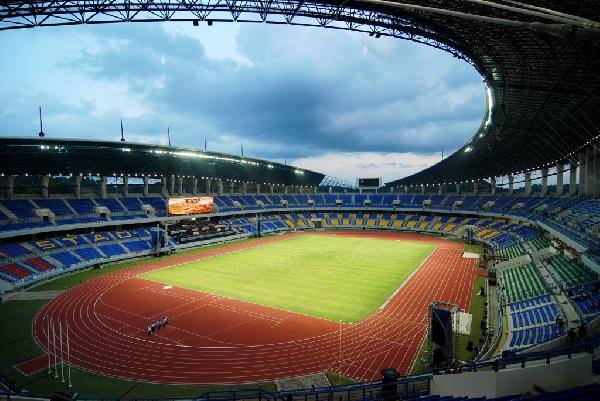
(213, 339)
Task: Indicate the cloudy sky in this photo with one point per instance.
(337, 102)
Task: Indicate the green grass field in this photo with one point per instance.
(336, 278)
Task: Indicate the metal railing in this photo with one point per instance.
(410, 386)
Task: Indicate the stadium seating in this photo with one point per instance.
(20, 208)
(512, 251)
(57, 206)
(82, 206)
(532, 322)
(522, 282)
(571, 273)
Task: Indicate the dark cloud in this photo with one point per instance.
(299, 92)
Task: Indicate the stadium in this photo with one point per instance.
(138, 271)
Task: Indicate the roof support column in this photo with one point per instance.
(440, 189)
(145, 178)
(422, 189)
(10, 184)
(593, 176)
(194, 186)
(493, 185)
(172, 186)
(457, 185)
(405, 189)
(126, 185)
(572, 177)
(78, 186)
(208, 191)
(528, 183)
(271, 189)
(220, 187)
(163, 180)
(230, 187)
(45, 182)
(511, 184)
(285, 189)
(583, 173)
(559, 179)
(544, 181)
(258, 188)
(244, 188)
(103, 181)
(180, 185)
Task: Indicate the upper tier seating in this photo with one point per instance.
(57, 206)
(111, 204)
(82, 206)
(132, 204)
(23, 209)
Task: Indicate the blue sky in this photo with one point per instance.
(342, 103)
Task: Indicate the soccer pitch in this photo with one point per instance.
(331, 277)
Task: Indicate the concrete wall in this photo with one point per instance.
(558, 375)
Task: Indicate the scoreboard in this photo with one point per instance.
(192, 205)
(369, 182)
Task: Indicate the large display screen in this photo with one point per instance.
(194, 205)
(369, 182)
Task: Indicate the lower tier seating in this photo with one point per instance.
(522, 282)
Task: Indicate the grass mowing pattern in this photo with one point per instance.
(333, 277)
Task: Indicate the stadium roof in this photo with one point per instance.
(538, 58)
(33, 156)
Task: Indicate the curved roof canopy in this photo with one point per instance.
(33, 156)
(540, 60)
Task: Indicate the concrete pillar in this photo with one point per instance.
(163, 180)
(545, 181)
(559, 179)
(220, 187)
(572, 178)
(78, 186)
(285, 189)
(230, 187)
(457, 188)
(145, 178)
(422, 189)
(593, 173)
(244, 188)
(126, 185)
(493, 184)
(527, 183)
(180, 185)
(440, 189)
(271, 188)
(103, 181)
(330, 190)
(45, 182)
(583, 173)
(257, 188)
(195, 186)
(315, 190)
(208, 190)
(172, 186)
(511, 184)
(10, 184)
(405, 189)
